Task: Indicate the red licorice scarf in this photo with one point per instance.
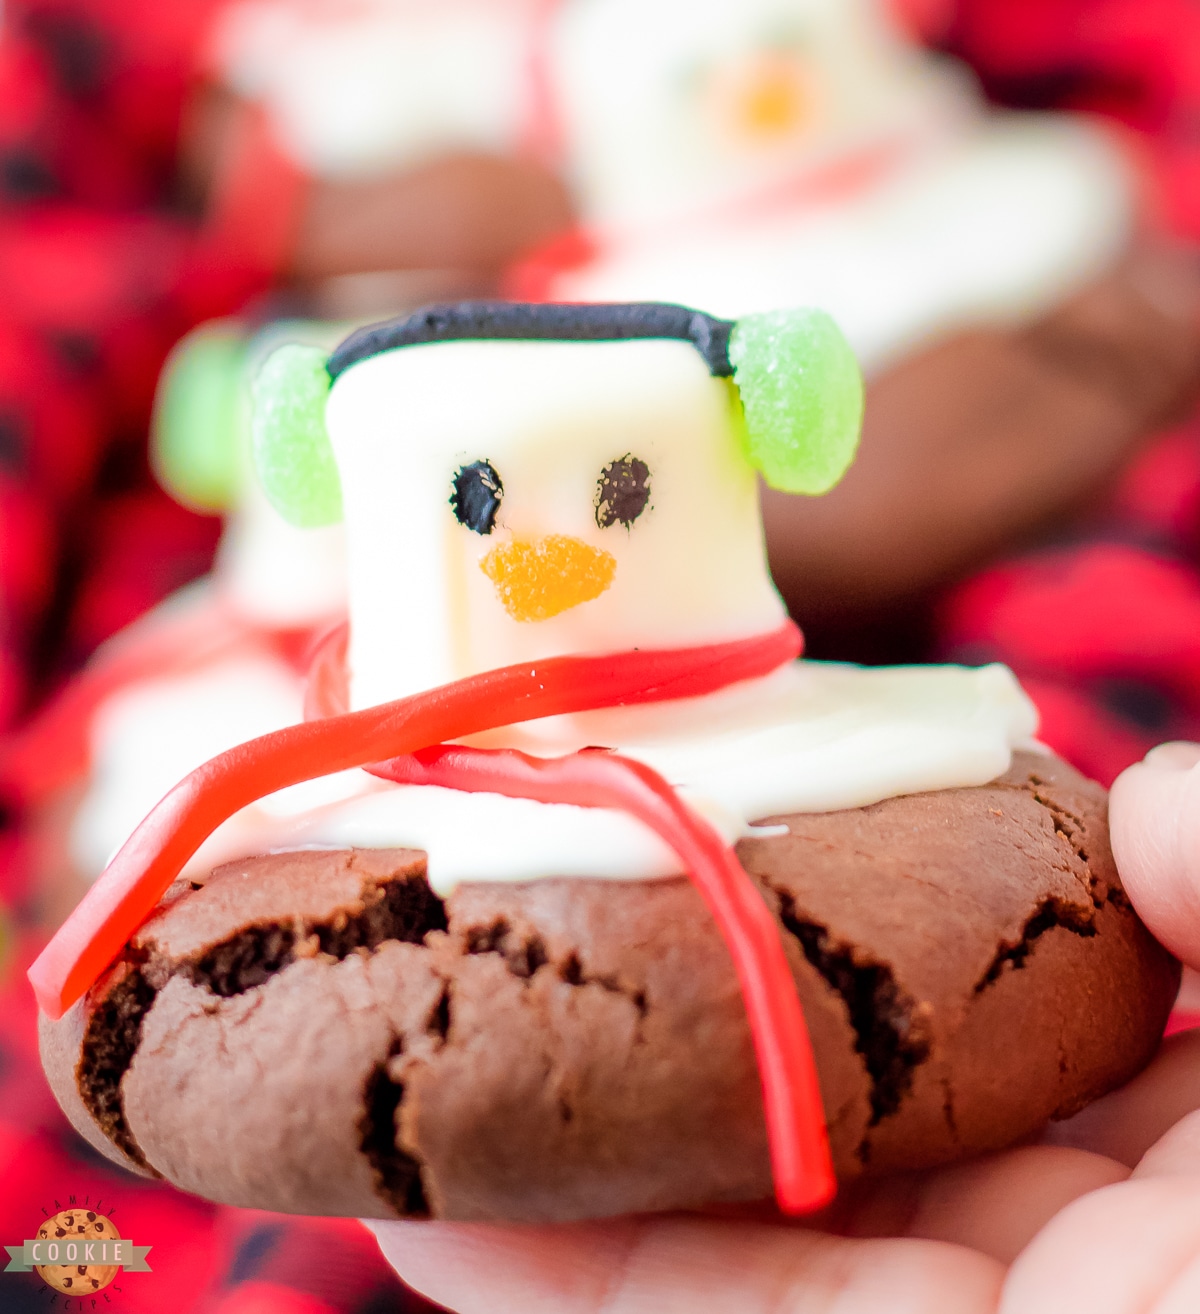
(406, 741)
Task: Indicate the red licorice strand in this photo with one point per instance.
(802, 1167)
(94, 934)
(637, 676)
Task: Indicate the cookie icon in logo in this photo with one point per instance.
(71, 1237)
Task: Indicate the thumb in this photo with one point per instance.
(1154, 819)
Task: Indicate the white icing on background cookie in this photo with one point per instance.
(152, 733)
(994, 227)
(267, 574)
(698, 131)
(353, 89)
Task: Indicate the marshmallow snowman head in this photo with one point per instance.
(521, 481)
(671, 105)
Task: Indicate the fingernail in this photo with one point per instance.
(1178, 756)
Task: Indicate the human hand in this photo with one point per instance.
(1102, 1217)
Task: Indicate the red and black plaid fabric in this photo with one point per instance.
(100, 273)
(1102, 625)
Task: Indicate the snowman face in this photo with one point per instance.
(672, 103)
(508, 501)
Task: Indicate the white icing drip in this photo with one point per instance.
(813, 737)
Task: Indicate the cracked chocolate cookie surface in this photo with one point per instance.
(317, 1032)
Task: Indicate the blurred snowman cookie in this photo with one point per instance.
(458, 970)
(375, 152)
(215, 663)
(1022, 323)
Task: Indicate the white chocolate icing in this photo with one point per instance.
(813, 737)
(355, 89)
(993, 228)
(549, 416)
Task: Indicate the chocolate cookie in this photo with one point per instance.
(318, 1032)
(981, 440)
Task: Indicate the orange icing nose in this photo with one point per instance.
(538, 579)
(774, 100)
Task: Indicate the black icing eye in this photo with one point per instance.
(622, 492)
(476, 496)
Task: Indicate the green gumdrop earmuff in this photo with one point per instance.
(292, 452)
(197, 425)
(798, 384)
(802, 398)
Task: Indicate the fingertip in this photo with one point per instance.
(1176, 1153)
(1178, 755)
(997, 1204)
(1154, 824)
(490, 1268)
(1111, 1251)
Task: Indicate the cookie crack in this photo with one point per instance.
(1050, 913)
(948, 1113)
(403, 909)
(397, 1173)
(524, 955)
(1072, 829)
(571, 971)
(112, 1037)
(1068, 825)
(889, 1031)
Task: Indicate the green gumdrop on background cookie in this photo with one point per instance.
(802, 395)
(197, 428)
(292, 453)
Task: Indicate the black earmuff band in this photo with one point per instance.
(518, 321)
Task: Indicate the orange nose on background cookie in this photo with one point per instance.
(539, 578)
(763, 101)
